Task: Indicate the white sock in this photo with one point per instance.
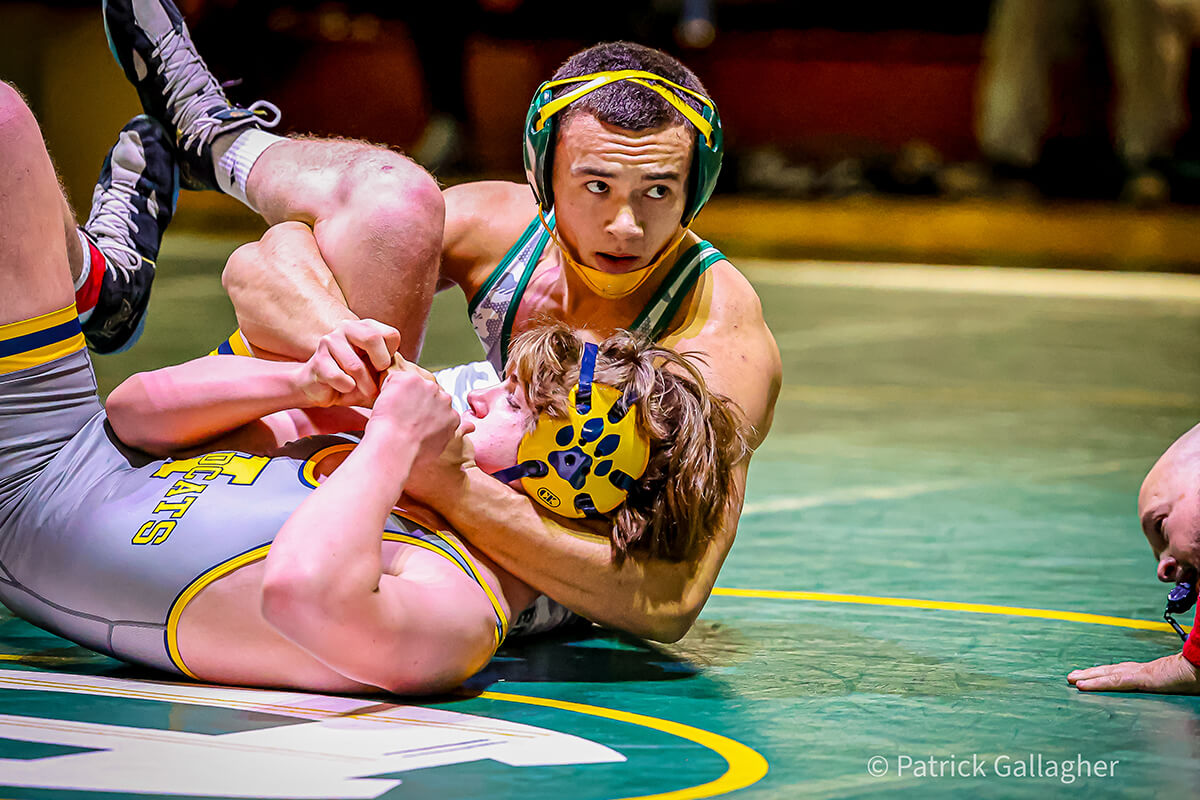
(87, 260)
(234, 160)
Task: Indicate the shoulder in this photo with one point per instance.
(733, 294)
(483, 219)
(725, 327)
(481, 201)
(722, 301)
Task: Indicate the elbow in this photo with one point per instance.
(670, 621)
(277, 603)
(669, 628)
(131, 417)
(666, 623)
(290, 599)
(669, 613)
(440, 655)
(426, 683)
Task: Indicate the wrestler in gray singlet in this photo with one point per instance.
(105, 546)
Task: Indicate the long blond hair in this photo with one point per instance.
(696, 436)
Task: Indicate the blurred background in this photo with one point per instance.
(1023, 132)
(946, 434)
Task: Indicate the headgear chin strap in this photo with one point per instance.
(611, 285)
(583, 465)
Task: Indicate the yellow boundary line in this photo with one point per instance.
(939, 605)
(746, 766)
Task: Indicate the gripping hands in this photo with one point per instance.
(413, 409)
(357, 364)
(347, 367)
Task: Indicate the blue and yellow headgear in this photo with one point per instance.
(583, 465)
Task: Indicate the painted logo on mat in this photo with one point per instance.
(328, 748)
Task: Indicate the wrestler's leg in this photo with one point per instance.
(34, 264)
(377, 217)
(132, 205)
(75, 252)
(32, 203)
(1148, 46)
(1014, 89)
(47, 389)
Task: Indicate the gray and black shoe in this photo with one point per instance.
(151, 42)
(132, 205)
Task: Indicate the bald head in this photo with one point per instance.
(1169, 506)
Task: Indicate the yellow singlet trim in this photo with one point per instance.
(308, 471)
(259, 553)
(45, 353)
(193, 589)
(39, 323)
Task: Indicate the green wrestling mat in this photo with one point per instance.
(940, 526)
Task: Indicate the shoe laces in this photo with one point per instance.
(111, 226)
(192, 93)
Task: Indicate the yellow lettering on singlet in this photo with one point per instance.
(177, 509)
(185, 487)
(241, 470)
(154, 532)
(192, 476)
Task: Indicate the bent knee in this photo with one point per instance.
(405, 217)
(391, 196)
(240, 266)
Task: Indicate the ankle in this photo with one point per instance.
(90, 278)
(234, 156)
(77, 254)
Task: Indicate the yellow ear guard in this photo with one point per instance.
(583, 465)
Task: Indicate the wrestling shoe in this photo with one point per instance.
(545, 615)
(132, 205)
(151, 43)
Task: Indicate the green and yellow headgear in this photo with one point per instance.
(540, 132)
(585, 464)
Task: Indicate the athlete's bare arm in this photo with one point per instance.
(651, 598)
(325, 586)
(483, 219)
(177, 408)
